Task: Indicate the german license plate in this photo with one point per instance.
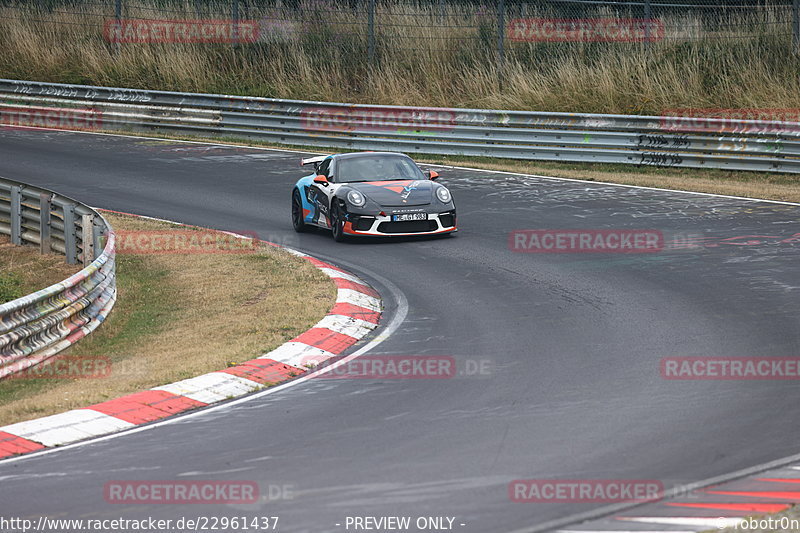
(409, 216)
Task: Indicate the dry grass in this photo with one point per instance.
(425, 56)
(24, 270)
(178, 316)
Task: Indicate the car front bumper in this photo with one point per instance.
(437, 223)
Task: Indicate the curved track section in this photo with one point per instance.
(571, 344)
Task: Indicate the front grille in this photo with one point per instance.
(408, 226)
(447, 220)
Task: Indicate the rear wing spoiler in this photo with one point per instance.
(313, 160)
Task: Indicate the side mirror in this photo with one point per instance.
(321, 179)
(432, 174)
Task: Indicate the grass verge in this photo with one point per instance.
(179, 315)
(24, 270)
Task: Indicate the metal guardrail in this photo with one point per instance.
(566, 137)
(39, 325)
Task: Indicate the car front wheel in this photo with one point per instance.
(337, 222)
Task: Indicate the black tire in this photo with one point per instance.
(337, 222)
(298, 221)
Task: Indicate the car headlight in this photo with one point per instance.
(443, 195)
(356, 198)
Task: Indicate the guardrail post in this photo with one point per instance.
(87, 239)
(16, 214)
(70, 244)
(97, 237)
(45, 207)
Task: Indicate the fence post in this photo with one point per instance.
(371, 32)
(796, 25)
(235, 22)
(118, 20)
(70, 244)
(647, 17)
(501, 41)
(16, 214)
(45, 206)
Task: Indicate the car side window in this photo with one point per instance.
(324, 168)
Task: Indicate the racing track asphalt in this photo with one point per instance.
(573, 344)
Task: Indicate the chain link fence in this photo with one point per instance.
(439, 52)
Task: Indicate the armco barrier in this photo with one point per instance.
(569, 137)
(38, 326)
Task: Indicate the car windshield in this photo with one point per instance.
(377, 168)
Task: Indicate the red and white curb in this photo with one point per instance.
(745, 503)
(355, 314)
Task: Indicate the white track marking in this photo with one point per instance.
(332, 273)
(624, 531)
(350, 296)
(347, 325)
(298, 355)
(212, 387)
(64, 428)
(706, 523)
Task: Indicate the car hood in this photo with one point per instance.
(396, 193)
